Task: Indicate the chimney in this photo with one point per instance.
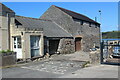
(96, 19)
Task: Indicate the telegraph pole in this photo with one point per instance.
(101, 43)
(100, 12)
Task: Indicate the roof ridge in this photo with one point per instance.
(32, 18)
(73, 12)
(6, 7)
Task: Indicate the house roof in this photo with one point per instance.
(5, 8)
(77, 15)
(50, 29)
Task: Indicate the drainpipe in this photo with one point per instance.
(101, 26)
(8, 21)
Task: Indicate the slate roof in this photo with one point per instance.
(4, 8)
(50, 29)
(77, 15)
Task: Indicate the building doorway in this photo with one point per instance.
(78, 44)
(35, 45)
(53, 46)
(17, 47)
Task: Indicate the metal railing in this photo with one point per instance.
(110, 51)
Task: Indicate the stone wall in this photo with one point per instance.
(8, 59)
(95, 57)
(66, 46)
(89, 41)
(90, 35)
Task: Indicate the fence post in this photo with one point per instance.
(101, 51)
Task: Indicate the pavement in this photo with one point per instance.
(98, 71)
(61, 66)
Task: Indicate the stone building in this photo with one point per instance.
(85, 31)
(57, 30)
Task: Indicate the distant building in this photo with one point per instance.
(57, 30)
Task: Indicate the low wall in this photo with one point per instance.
(7, 60)
(95, 57)
(66, 46)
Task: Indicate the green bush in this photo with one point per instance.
(9, 51)
(111, 35)
(6, 51)
(3, 51)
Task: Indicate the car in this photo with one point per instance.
(116, 52)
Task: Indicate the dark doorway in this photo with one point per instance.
(53, 46)
(78, 44)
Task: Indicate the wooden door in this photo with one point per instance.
(77, 44)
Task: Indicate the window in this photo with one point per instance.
(14, 42)
(77, 20)
(82, 22)
(96, 25)
(89, 24)
(17, 42)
